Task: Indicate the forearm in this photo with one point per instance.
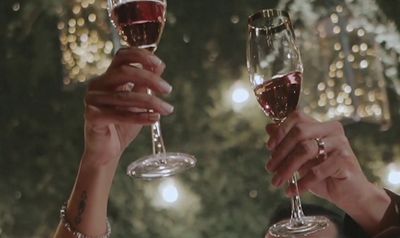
(87, 205)
(371, 210)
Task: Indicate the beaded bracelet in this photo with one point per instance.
(77, 234)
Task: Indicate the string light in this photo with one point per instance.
(85, 40)
(169, 192)
(16, 6)
(343, 94)
(391, 176)
(394, 177)
(240, 95)
(235, 19)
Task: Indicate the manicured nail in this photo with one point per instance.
(266, 167)
(155, 60)
(269, 166)
(276, 181)
(167, 108)
(165, 86)
(271, 144)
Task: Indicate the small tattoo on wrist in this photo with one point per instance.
(81, 208)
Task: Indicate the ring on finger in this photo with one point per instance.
(321, 149)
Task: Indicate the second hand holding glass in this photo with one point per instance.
(140, 23)
(275, 70)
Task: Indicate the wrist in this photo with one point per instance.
(87, 205)
(368, 208)
(98, 161)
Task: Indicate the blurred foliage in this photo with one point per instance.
(41, 129)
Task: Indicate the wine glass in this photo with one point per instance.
(275, 71)
(140, 24)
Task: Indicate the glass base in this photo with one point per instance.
(160, 165)
(311, 225)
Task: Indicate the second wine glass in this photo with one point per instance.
(140, 24)
(275, 70)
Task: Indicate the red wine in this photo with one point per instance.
(279, 96)
(140, 23)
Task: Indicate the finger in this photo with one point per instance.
(305, 168)
(128, 99)
(303, 152)
(148, 60)
(299, 133)
(279, 132)
(316, 174)
(102, 115)
(271, 130)
(128, 74)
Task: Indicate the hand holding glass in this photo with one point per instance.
(275, 71)
(140, 23)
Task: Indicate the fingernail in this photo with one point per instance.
(269, 166)
(165, 86)
(276, 181)
(269, 145)
(167, 108)
(155, 60)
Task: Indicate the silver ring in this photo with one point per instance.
(321, 149)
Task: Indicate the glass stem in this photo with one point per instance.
(156, 137)
(158, 143)
(296, 218)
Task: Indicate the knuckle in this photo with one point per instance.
(342, 140)
(296, 114)
(344, 154)
(338, 127)
(299, 131)
(304, 148)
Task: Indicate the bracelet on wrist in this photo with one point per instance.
(74, 232)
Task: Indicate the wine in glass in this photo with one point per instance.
(140, 24)
(275, 71)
